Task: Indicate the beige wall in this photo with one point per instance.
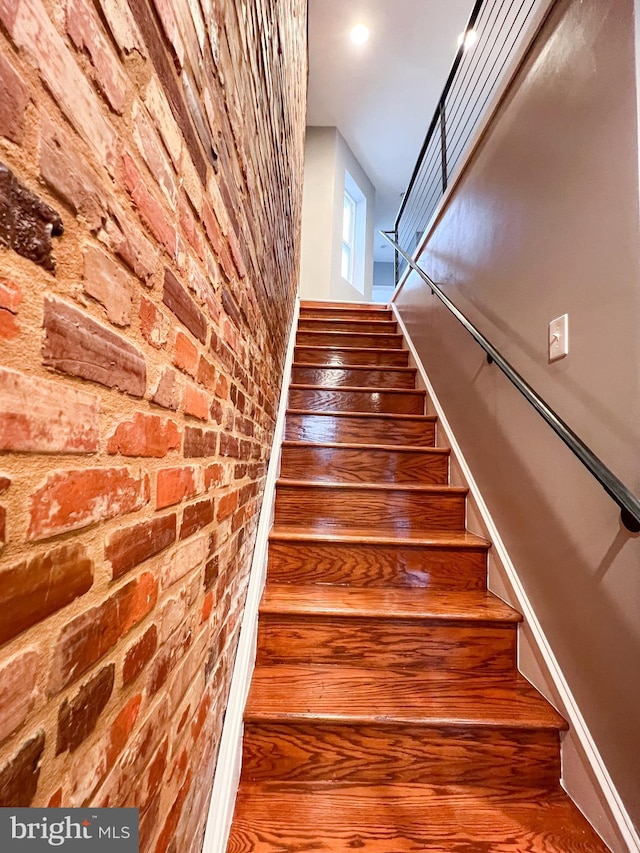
(327, 156)
(545, 222)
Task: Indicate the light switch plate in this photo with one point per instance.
(559, 337)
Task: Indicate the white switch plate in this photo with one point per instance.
(559, 337)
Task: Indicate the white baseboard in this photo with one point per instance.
(227, 773)
(583, 767)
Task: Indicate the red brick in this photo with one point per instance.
(139, 654)
(10, 296)
(198, 442)
(185, 354)
(174, 485)
(75, 344)
(107, 282)
(15, 99)
(70, 176)
(168, 393)
(195, 517)
(216, 411)
(153, 324)
(72, 499)
(211, 572)
(229, 446)
(129, 243)
(159, 109)
(206, 373)
(5, 482)
(222, 387)
(217, 240)
(227, 505)
(89, 636)
(196, 403)
(213, 476)
(18, 688)
(9, 327)
(185, 559)
(171, 822)
(189, 227)
(19, 777)
(152, 152)
(153, 214)
(122, 25)
(31, 30)
(172, 651)
(145, 435)
(176, 298)
(207, 606)
(78, 717)
(35, 588)
(127, 548)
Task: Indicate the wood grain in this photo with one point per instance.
(348, 324)
(361, 428)
(407, 819)
(361, 463)
(407, 507)
(432, 565)
(360, 377)
(512, 758)
(348, 339)
(351, 355)
(378, 401)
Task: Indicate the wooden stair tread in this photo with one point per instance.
(400, 818)
(342, 306)
(363, 415)
(352, 445)
(352, 696)
(413, 488)
(320, 348)
(370, 389)
(425, 604)
(429, 538)
(346, 366)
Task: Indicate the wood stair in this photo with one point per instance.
(386, 712)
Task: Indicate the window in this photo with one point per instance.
(354, 217)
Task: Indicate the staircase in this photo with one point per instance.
(386, 712)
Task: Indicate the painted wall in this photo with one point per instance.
(383, 281)
(149, 265)
(327, 156)
(544, 222)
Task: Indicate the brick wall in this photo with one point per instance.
(150, 194)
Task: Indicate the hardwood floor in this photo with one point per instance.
(386, 713)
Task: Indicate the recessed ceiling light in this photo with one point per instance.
(468, 38)
(359, 34)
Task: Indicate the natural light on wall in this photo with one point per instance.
(354, 215)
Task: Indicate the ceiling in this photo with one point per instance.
(381, 95)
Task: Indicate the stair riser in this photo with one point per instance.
(345, 314)
(366, 465)
(381, 358)
(364, 327)
(377, 565)
(385, 643)
(369, 509)
(418, 433)
(342, 339)
(374, 402)
(367, 377)
(380, 755)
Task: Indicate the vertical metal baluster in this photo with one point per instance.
(443, 145)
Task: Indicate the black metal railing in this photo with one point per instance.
(629, 504)
(476, 73)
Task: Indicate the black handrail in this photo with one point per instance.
(615, 488)
(473, 17)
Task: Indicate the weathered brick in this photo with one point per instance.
(79, 346)
(195, 517)
(227, 505)
(229, 446)
(10, 296)
(176, 298)
(129, 243)
(86, 33)
(173, 485)
(127, 548)
(35, 588)
(198, 442)
(213, 476)
(207, 606)
(151, 211)
(107, 282)
(18, 688)
(19, 777)
(185, 354)
(206, 373)
(158, 106)
(15, 99)
(171, 652)
(168, 393)
(78, 717)
(195, 402)
(32, 30)
(9, 326)
(145, 435)
(151, 150)
(26, 222)
(173, 817)
(153, 324)
(183, 560)
(70, 176)
(72, 499)
(189, 227)
(89, 636)
(139, 654)
(211, 572)
(5, 482)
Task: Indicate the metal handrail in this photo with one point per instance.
(629, 504)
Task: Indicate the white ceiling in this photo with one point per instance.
(381, 95)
